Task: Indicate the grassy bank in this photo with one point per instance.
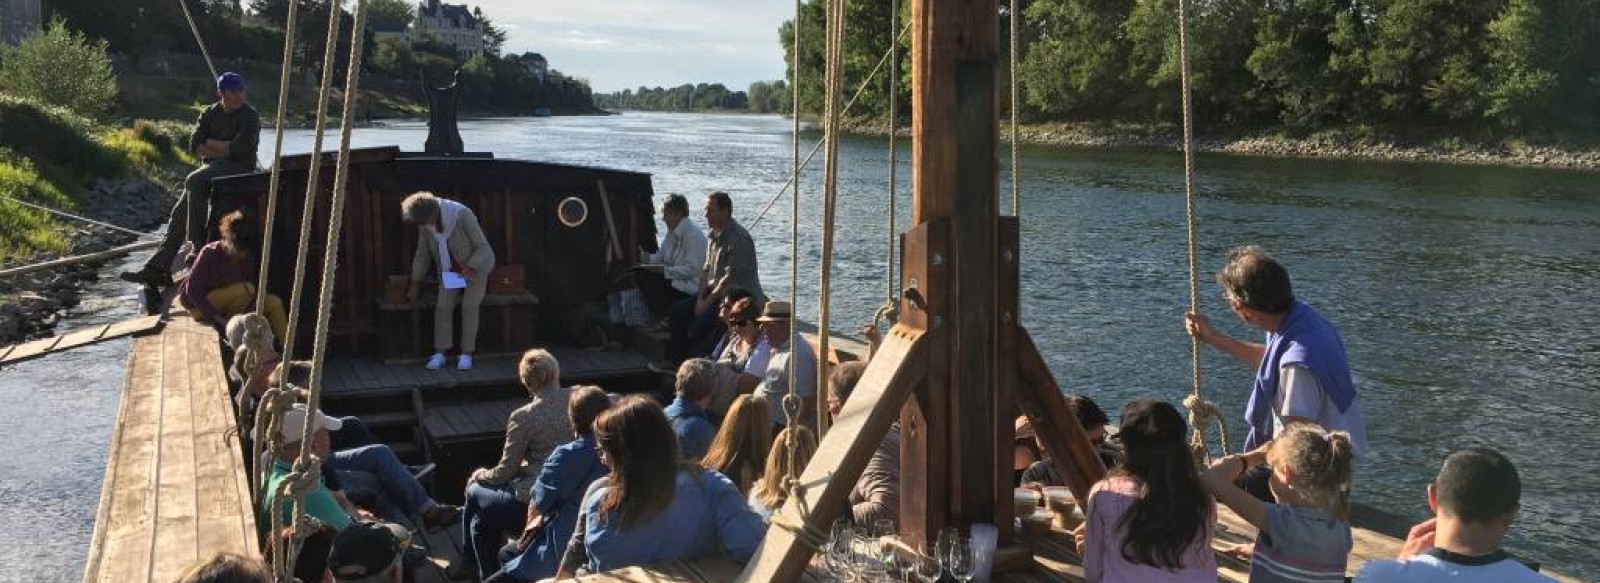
(53, 158)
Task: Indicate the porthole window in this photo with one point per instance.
(572, 211)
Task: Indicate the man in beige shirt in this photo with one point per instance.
(450, 239)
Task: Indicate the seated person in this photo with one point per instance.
(696, 387)
(743, 349)
(222, 282)
(553, 513)
(739, 450)
(1474, 500)
(1094, 421)
(224, 567)
(319, 503)
(788, 349)
(652, 508)
(672, 276)
(767, 495)
(737, 308)
(369, 552)
(451, 242)
(877, 493)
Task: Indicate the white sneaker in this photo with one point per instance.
(464, 363)
(436, 362)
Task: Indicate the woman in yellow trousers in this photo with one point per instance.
(222, 282)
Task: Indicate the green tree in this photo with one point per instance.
(1427, 58)
(494, 37)
(1075, 59)
(394, 12)
(61, 67)
(1302, 63)
(393, 57)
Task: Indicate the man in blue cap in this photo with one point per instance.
(225, 138)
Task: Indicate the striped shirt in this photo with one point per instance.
(1300, 544)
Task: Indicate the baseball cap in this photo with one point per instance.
(365, 549)
(294, 423)
(230, 81)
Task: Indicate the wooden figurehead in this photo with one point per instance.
(958, 366)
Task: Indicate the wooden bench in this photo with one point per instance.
(470, 421)
(505, 325)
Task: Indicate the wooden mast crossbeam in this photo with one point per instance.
(841, 457)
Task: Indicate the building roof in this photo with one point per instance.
(459, 14)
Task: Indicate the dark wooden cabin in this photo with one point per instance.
(566, 270)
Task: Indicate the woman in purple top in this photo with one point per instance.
(222, 282)
(1150, 520)
(653, 507)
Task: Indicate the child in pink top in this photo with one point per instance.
(1150, 520)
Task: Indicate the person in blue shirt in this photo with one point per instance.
(653, 507)
(553, 511)
(697, 386)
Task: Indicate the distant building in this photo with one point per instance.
(394, 30)
(452, 23)
(19, 19)
(537, 66)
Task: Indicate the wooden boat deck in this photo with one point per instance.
(364, 377)
(175, 489)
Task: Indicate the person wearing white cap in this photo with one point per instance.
(372, 468)
(319, 503)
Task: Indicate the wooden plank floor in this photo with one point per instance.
(349, 377)
(76, 338)
(175, 488)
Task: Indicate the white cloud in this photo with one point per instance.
(619, 44)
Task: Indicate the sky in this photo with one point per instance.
(623, 44)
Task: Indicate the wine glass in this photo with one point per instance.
(883, 527)
(947, 537)
(927, 566)
(836, 555)
(868, 559)
(963, 560)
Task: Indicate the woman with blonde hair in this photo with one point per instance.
(497, 498)
(740, 448)
(767, 495)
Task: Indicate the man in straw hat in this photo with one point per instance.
(788, 349)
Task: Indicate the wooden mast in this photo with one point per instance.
(949, 370)
(955, 180)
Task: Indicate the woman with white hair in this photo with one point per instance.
(450, 239)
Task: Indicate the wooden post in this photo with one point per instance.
(955, 175)
(1073, 457)
(924, 440)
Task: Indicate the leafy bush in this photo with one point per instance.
(25, 230)
(61, 143)
(63, 68)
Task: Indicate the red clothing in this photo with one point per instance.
(214, 268)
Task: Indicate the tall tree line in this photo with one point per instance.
(1471, 65)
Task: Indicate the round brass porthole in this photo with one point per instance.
(572, 211)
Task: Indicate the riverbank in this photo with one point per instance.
(123, 176)
(1350, 144)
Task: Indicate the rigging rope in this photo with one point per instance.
(890, 309)
(71, 216)
(1016, 173)
(184, 4)
(791, 403)
(277, 158)
(1201, 412)
(818, 146)
(307, 466)
(833, 79)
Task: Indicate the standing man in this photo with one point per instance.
(730, 263)
(1302, 374)
(450, 239)
(672, 276)
(225, 138)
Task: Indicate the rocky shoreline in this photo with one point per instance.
(31, 305)
(1330, 145)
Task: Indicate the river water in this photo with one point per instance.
(1465, 296)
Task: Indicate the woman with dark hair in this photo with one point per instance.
(227, 568)
(739, 451)
(222, 282)
(553, 511)
(652, 507)
(1150, 520)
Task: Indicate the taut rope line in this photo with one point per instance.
(197, 39)
(1016, 173)
(818, 147)
(277, 157)
(890, 308)
(1201, 412)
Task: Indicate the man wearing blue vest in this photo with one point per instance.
(1302, 375)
